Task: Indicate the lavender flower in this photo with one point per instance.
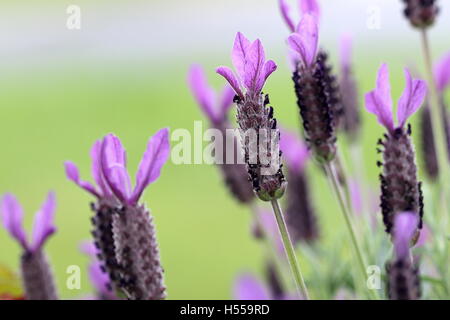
(400, 190)
(235, 174)
(255, 118)
(134, 233)
(99, 279)
(442, 80)
(300, 216)
(421, 13)
(305, 6)
(316, 89)
(104, 209)
(403, 282)
(351, 122)
(247, 287)
(37, 276)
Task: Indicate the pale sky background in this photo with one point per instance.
(35, 31)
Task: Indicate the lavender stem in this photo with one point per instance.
(331, 173)
(290, 253)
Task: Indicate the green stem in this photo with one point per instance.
(331, 173)
(289, 248)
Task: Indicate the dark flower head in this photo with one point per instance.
(351, 121)
(299, 214)
(316, 90)
(37, 276)
(421, 13)
(400, 190)
(136, 248)
(235, 174)
(258, 127)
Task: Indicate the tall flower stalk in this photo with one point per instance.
(317, 98)
(37, 276)
(259, 134)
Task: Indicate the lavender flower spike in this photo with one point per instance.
(216, 110)
(134, 233)
(442, 73)
(351, 121)
(400, 190)
(403, 281)
(316, 90)
(104, 208)
(421, 13)
(37, 276)
(305, 6)
(255, 118)
(300, 216)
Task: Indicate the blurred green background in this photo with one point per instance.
(125, 72)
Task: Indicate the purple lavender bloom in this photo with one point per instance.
(316, 89)
(104, 209)
(300, 216)
(247, 287)
(135, 242)
(99, 279)
(37, 276)
(403, 281)
(255, 117)
(305, 6)
(421, 13)
(235, 174)
(400, 190)
(442, 80)
(351, 122)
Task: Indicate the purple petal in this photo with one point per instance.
(73, 175)
(294, 150)
(43, 222)
(284, 8)
(89, 249)
(254, 66)
(305, 40)
(239, 54)
(269, 67)
(405, 226)
(154, 157)
(13, 219)
(379, 101)
(411, 99)
(310, 7)
(97, 174)
(204, 95)
(99, 279)
(226, 100)
(247, 287)
(346, 51)
(231, 78)
(442, 73)
(113, 159)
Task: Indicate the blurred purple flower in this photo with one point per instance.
(251, 67)
(355, 196)
(442, 73)
(294, 150)
(113, 164)
(43, 226)
(404, 231)
(99, 279)
(304, 41)
(247, 287)
(379, 101)
(305, 6)
(215, 109)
